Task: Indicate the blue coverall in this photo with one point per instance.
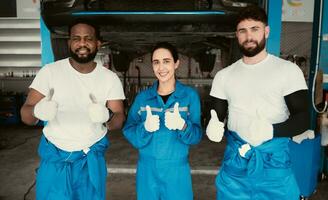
(71, 175)
(263, 174)
(163, 170)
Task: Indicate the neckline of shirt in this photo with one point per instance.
(82, 74)
(254, 66)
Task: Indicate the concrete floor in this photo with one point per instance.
(18, 157)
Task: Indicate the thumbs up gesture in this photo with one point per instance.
(215, 128)
(98, 113)
(173, 120)
(152, 121)
(260, 130)
(46, 108)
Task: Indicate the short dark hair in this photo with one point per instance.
(165, 45)
(87, 22)
(253, 12)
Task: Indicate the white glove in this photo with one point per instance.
(309, 134)
(215, 128)
(152, 121)
(46, 109)
(173, 120)
(243, 149)
(98, 113)
(260, 130)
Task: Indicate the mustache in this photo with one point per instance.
(249, 41)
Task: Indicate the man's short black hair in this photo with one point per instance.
(254, 13)
(87, 22)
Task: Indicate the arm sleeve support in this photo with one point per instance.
(221, 107)
(299, 119)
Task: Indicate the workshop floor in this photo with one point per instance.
(18, 157)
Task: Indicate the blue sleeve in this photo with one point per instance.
(134, 130)
(193, 132)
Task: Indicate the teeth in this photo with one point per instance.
(82, 51)
(163, 73)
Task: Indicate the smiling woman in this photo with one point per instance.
(166, 115)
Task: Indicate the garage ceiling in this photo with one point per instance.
(133, 26)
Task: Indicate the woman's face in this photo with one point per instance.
(164, 65)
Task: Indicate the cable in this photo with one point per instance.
(317, 66)
(29, 190)
(31, 187)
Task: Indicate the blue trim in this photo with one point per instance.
(47, 55)
(323, 59)
(274, 17)
(150, 13)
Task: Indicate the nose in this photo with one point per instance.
(248, 36)
(82, 42)
(161, 66)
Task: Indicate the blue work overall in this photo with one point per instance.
(163, 171)
(71, 175)
(263, 174)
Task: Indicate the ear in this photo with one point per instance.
(176, 65)
(267, 32)
(98, 44)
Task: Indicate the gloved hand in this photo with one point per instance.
(98, 113)
(243, 149)
(215, 128)
(152, 121)
(260, 130)
(309, 134)
(173, 120)
(46, 109)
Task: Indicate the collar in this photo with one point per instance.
(179, 91)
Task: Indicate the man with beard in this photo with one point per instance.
(80, 100)
(266, 100)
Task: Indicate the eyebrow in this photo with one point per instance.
(244, 28)
(163, 59)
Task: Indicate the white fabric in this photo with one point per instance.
(152, 121)
(309, 134)
(215, 128)
(257, 88)
(260, 130)
(98, 113)
(72, 128)
(45, 110)
(173, 120)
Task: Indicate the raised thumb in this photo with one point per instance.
(214, 115)
(50, 94)
(176, 108)
(92, 98)
(148, 111)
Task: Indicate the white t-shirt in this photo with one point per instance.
(72, 129)
(257, 90)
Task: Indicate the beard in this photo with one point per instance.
(252, 51)
(85, 59)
